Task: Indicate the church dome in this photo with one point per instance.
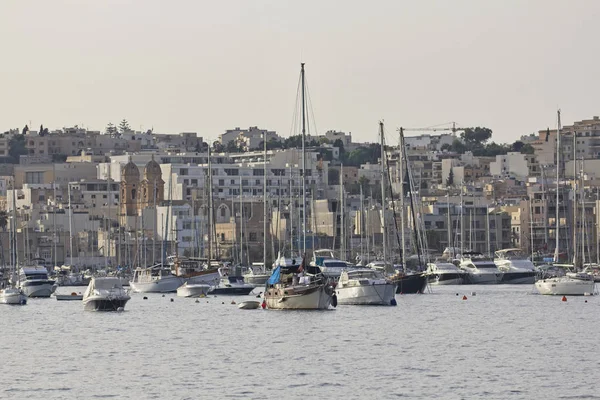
(130, 172)
(152, 170)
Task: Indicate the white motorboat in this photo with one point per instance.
(566, 286)
(34, 282)
(515, 266)
(69, 297)
(105, 294)
(256, 275)
(444, 273)
(365, 287)
(12, 295)
(231, 284)
(327, 263)
(193, 290)
(592, 269)
(155, 279)
(480, 269)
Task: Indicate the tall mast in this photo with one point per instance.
(383, 192)
(556, 249)
(449, 224)
(361, 224)
(291, 215)
(70, 225)
(462, 220)
(402, 222)
(303, 163)
(265, 201)
(241, 222)
(210, 209)
(341, 207)
(575, 184)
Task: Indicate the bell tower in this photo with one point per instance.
(152, 186)
(130, 182)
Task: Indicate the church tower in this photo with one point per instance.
(152, 186)
(130, 182)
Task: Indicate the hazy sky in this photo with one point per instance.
(205, 66)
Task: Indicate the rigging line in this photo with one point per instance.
(295, 113)
(387, 167)
(310, 107)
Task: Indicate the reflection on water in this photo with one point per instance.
(504, 342)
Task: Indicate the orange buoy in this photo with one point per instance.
(232, 301)
(464, 297)
(564, 298)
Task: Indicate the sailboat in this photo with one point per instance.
(13, 293)
(289, 288)
(570, 284)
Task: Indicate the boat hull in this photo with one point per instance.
(239, 290)
(38, 288)
(483, 279)
(68, 297)
(193, 290)
(249, 305)
(104, 304)
(376, 294)
(518, 277)
(411, 284)
(309, 298)
(13, 297)
(256, 279)
(208, 278)
(164, 285)
(445, 279)
(565, 287)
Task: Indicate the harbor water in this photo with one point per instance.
(504, 342)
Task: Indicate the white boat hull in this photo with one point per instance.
(206, 279)
(483, 278)
(12, 296)
(256, 279)
(378, 294)
(249, 305)
(36, 289)
(101, 303)
(313, 299)
(164, 285)
(192, 290)
(565, 286)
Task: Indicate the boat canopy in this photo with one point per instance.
(107, 283)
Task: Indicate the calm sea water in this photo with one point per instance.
(503, 343)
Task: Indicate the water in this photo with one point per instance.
(503, 343)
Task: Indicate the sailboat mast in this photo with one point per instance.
(402, 222)
(449, 224)
(210, 209)
(383, 192)
(341, 207)
(575, 184)
(556, 249)
(265, 201)
(303, 163)
(361, 223)
(70, 225)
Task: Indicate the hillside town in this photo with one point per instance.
(119, 197)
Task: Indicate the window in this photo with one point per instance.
(221, 182)
(34, 177)
(222, 211)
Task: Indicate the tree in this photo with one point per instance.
(476, 136)
(25, 130)
(446, 147)
(218, 147)
(527, 149)
(517, 146)
(16, 147)
(458, 147)
(111, 130)
(450, 180)
(124, 126)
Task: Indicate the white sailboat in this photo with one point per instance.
(13, 293)
(288, 288)
(569, 284)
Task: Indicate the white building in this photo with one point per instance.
(510, 165)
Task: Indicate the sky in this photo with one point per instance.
(207, 66)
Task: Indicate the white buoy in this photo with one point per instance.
(120, 309)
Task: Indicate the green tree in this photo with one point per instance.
(517, 146)
(476, 136)
(111, 129)
(446, 147)
(458, 147)
(16, 147)
(25, 130)
(450, 180)
(527, 149)
(218, 147)
(124, 126)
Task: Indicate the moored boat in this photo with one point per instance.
(444, 273)
(105, 294)
(365, 287)
(155, 279)
(12, 295)
(34, 282)
(193, 290)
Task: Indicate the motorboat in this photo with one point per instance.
(567, 285)
(289, 288)
(105, 294)
(34, 282)
(155, 279)
(12, 295)
(365, 287)
(230, 284)
(515, 266)
(592, 269)
(444, 273)
(407, 282)
(325, 262)
(66, 277)
(193, 290)
(194, 269)
(256, 275)
(480, 269)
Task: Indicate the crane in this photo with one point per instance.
(436, 128)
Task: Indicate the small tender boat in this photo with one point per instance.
(105, 294)
(249, 305)
(193, 290)
(68, 297)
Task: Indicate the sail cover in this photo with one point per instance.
(275, 276)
